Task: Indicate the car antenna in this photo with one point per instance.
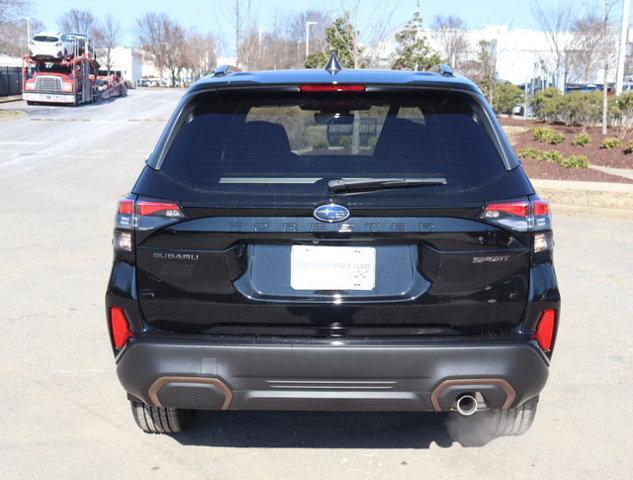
(333, 67)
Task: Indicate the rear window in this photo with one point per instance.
(45, 38)
(294, 143)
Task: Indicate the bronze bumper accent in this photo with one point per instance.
(152, 391)
(502, 384)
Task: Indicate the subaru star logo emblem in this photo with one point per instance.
(331, 213)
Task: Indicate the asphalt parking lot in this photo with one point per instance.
(61, 172)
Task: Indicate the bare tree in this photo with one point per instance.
(200, 56)
(608, 58)
(585, 53)
(318, 40)
(175, 57)
(152, 38)
(367, 47)
(283, 46)
(483, 68)
(78, 21)
(239, 14)
(450, 33)
(13, 39)
(9, 9)
(556, 22)
(110, 32)
(163, 41)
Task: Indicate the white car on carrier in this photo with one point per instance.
(51, 45)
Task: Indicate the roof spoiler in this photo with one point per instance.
(225, 70)
(444, 70)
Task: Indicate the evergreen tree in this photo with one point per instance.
(342, 39)
(414, 52)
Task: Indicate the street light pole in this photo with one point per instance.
(308, 37)
(28, 31)
(624, 30)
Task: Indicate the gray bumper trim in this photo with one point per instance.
(302, 377)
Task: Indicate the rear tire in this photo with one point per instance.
(160, 419)
(515, 421)
(483, 427)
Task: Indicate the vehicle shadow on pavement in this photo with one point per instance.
(318, 430)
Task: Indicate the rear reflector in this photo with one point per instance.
(126, 206)
(544, 334)
(121, 332)
(541, 207)
(332, 88)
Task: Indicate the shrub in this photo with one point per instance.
(319, 145)
(543, 104)
(542, 134)
(575, 161)
(581, 140)
(581, 108)
(550, 105)
(629, 148)
(547, 135)
(529, 152)
(611, 142)
(553, 156)
(506, 96)
(556, 138)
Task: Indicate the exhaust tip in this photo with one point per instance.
(466, 404)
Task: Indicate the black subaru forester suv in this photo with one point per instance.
(333, 240)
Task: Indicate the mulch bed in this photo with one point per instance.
(552, 171)
(596, 155)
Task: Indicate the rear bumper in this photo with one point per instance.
(325, 377)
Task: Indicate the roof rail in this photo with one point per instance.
(445, 70)
(225, 70)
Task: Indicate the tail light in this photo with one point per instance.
(523, 216)
(67, 87)
(135, 215)
(545, 330)
(120, 327)
(332, 88)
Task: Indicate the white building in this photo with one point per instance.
(6, 61)
(520, 52)
(128, 61)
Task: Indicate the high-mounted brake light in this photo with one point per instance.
(120, 327)
(327, 87)
(545, 329)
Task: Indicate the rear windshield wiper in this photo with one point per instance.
(369, 184)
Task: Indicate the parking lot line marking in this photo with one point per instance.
(43, 119)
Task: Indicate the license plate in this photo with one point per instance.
(333, 268)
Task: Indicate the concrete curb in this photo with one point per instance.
(586, 194)
(13, 98)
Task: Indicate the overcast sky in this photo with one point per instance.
(205, 15)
